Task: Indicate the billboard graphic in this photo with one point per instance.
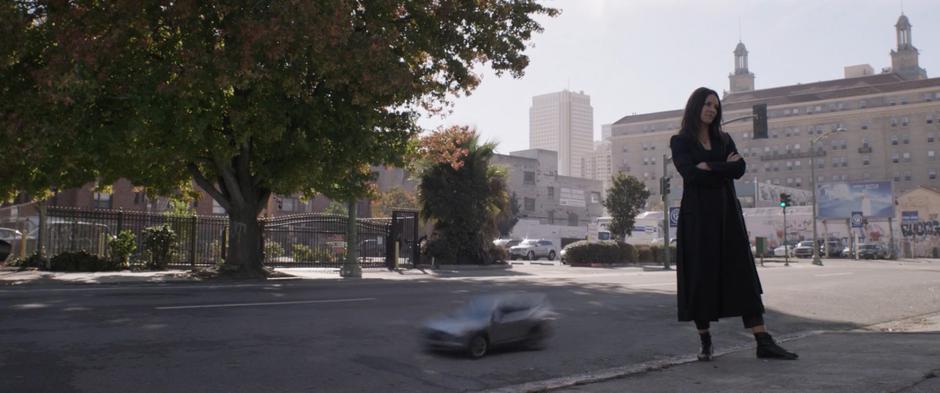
(838, 200)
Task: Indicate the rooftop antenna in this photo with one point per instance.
(739, 29)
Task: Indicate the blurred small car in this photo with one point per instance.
(487, 321)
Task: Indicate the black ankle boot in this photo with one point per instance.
(706, 353)
(768, 349)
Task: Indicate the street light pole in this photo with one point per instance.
(812, 169)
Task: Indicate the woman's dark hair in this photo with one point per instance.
(692, 117)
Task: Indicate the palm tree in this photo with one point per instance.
(462, 194)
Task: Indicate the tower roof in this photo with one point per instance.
(740, 49)
(903, 22)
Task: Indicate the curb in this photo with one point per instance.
(624, 371)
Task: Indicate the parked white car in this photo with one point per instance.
(779, 251)
(533, 249)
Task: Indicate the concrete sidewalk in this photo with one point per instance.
(850, 362)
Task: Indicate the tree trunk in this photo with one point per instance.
(245, 252)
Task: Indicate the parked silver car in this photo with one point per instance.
(533, 249)
(492, 320)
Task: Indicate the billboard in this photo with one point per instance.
(838, 200)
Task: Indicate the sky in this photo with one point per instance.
(642, 56)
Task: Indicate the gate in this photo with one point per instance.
(319, 240)
(403, 250)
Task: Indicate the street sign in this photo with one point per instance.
(909, 216)
(673, 217)
(857, 219)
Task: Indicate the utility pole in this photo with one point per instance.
(664, 191)
(785, 201)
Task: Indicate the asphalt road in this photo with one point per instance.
(360, 336)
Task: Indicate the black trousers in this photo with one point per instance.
(749, 322)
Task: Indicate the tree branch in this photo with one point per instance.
(208, 187)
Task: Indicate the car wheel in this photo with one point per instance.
(531, 255)
(551, 255)
(478, 346)
(512, 257)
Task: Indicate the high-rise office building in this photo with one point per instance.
(564, 122)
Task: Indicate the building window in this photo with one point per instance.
(528, 177)
(551, 191)
(287, 204)
(799, 182)
(932, 174)
(907, 176)
(897, 176)
(595, 197)
(894, 158)
(894, 122)
(551, 217)
(930, 137)
(789, 181)
(529, 204)
(894, 140)
(931, 155)
(797, 164)
(929, 118)
(572, 220)
(102, 200)
(862, 104)
(906, 157)
(866, 159)
(140, 197)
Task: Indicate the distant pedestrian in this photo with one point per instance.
(716, 276)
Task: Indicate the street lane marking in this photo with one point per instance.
(833, 274)
(363, 299)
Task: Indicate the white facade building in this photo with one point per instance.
(564, 122)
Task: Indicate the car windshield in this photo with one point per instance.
(480, 307)
(805, 244)
(529, 243)
(868, 246)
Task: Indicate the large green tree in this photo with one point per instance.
(625, 198)
(244, 99)
(462, 194)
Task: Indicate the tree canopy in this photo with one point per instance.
(625, 198)
(462, 194)
(244, 99)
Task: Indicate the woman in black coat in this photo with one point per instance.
(716, 276)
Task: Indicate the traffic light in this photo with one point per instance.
(666, 185)
(785, 200)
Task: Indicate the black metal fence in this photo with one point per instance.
(200, 240)
(304, 240)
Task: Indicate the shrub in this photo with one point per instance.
(81, 261)
(160, 246)
(644, 254)
(273, 250)
(606, 252)
(628, 252)
(34, 260)
(122, 247)
(659, 253)
(301, 252)
(497, 253)
(305, 253)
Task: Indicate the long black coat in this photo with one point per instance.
(714, 265)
